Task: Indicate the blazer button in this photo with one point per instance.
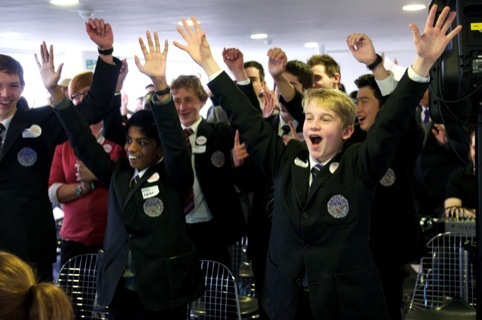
(299, 282)
(131, 236)
(305, 215)
(307, 247)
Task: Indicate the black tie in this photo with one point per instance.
(134, 181)
(2, 129)
(286, 129)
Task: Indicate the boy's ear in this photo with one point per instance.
(347, 132)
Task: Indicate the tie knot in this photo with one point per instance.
(134, 181)
(285, 129)
(188, 132)
(316, 169)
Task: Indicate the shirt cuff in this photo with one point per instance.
(63, 104)
(214, 75)
(53, 193)
(244, 82)
(416, 77)
(387, 85)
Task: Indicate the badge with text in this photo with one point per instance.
(27, 157)
(150, 192)
(33, 132)
(201, 140)
(198, 149)
(153, 207)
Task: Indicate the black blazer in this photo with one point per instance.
(147, 220)
(27, 225)
(322, 231)
(217, 178)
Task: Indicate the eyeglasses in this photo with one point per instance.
(79, 95)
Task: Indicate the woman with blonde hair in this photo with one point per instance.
(21, 297)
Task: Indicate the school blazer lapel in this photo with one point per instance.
(17, 125)
(300, 171)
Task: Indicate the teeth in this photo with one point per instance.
(134, 157)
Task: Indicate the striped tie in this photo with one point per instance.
(315, 170)
(134, 181)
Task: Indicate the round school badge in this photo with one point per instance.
(388, 179)
(217, 159)
(338, 206)
(107, 148)
(153, 207)
(201, 140)
(27, 157)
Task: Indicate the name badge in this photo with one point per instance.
(198, 149)
(150, 192)
(33, 132)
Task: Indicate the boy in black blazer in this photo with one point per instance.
(319, 264)
(27, 226)
(149, 266)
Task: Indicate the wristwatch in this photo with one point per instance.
(78, 191)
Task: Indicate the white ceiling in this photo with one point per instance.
(228, 23)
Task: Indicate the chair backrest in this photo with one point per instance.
(447, 274)
(77, 277)
(242, 268)
(220, 299)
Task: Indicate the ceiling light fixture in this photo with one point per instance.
(413, 7)
(64, 2)
(311, 45)
(189, 22)
(257, 36)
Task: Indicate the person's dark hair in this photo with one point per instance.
(331, 66)
(11, 66)
(256, 65)
(144, 119)
(368, 80)
(301, 71)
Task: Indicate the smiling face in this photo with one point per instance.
(141, 150)
(188, 105)
(10, 92)
(368, 107)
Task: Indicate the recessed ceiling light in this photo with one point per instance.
(64, 2)
(257, 36)
(413, 7)
(311, 45)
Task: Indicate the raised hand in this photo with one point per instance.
(155, 60)
(197, 46)
(233, 58)
(431, 44)
(46, 66)
(100, 33)
(277, 61)
(122, 75)
(270, 102)
(239, 151)
(361, 47)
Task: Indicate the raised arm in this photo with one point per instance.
(434, 39)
